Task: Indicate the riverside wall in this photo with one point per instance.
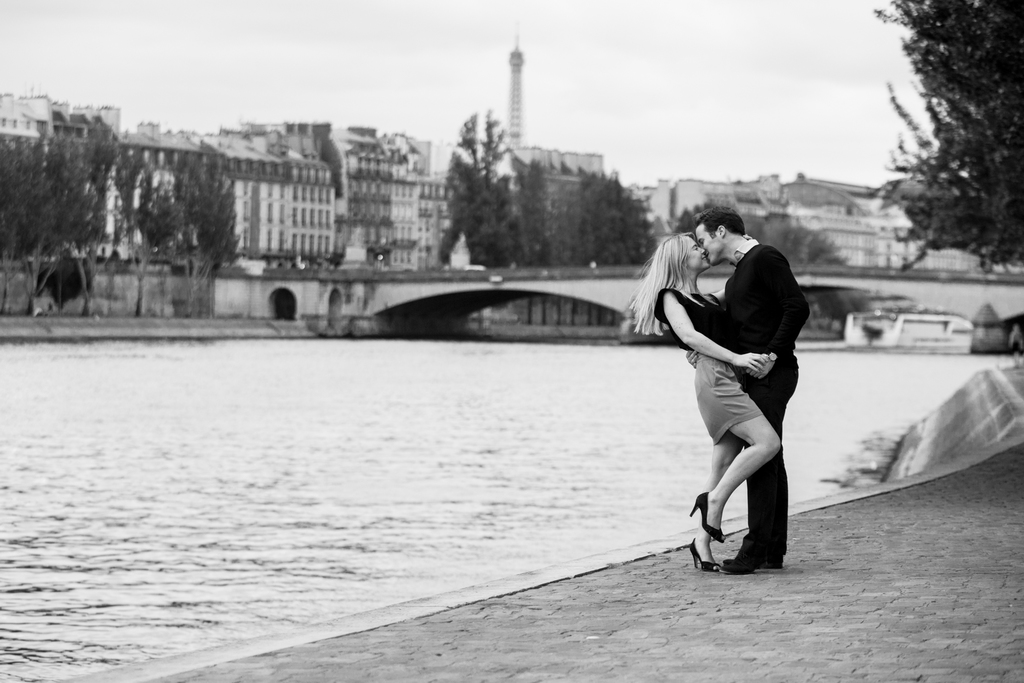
(63, 329)
(115, 293)
(984, 416)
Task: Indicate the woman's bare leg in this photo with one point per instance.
(722, 456)
(764, 444)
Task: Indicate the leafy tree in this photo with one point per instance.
(57, 204)
(533, 216)
(969, 57)
(158, 220)
(566, 221)
(481, 200)
(576, 220)
(614, 228)
(100, 156)
(13, 188)
(132, 178)
(206, 199)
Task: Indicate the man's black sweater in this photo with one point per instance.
(766, 305)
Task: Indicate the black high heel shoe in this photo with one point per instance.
(699, 562)
(702, 504)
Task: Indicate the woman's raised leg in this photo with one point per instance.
(763, 443)
(722, 455)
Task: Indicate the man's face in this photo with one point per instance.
(712, 242)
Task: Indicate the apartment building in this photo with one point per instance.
(40, 117)
(433, 221)
(284, 199)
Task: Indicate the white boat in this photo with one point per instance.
(909, 329)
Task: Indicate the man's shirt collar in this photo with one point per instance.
(741, 251)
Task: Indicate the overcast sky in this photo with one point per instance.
(716, 89)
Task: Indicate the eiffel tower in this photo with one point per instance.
(516, 125)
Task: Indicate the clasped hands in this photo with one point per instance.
(757, 365)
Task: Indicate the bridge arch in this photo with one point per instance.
(335, 301)
(283, 304)
(463, 303)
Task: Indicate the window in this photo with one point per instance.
(303, 193)
(295, 242)
(303, 218)
(295, 217)
(303, 242)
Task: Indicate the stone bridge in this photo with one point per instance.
(378, 301)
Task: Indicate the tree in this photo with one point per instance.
(206, 199)
(100, 154)
(578, 219)
(481, 201)
(132, 177)
(614, 228)
(13, 188)
(57, 203)
(158, 220)
(969, 57)
(532, 214)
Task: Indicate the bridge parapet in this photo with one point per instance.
(337, 294)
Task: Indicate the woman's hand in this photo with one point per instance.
(752, 363)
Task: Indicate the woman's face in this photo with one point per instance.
(694, 258)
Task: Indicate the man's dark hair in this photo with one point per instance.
(720, 215)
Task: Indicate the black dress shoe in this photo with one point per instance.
(771, 564)
(739, 565)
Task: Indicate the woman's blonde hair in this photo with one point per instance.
(665, 269)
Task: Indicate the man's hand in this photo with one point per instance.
(768, 365)
(691, 358)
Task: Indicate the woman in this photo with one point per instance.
(743, 439)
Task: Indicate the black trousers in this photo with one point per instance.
(768, 488)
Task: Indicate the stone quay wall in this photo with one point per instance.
(982, 417)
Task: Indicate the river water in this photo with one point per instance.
(165, 497)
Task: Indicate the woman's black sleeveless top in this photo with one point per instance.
(711, 320)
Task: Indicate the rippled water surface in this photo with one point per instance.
(159, 498)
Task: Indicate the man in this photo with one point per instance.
(767, 309)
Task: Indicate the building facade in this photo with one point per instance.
(40, 117)
(865, 224)
(433, 223)
(368, 172)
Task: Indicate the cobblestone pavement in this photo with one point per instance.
(921, 584)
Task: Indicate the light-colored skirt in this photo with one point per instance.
(720, 398)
